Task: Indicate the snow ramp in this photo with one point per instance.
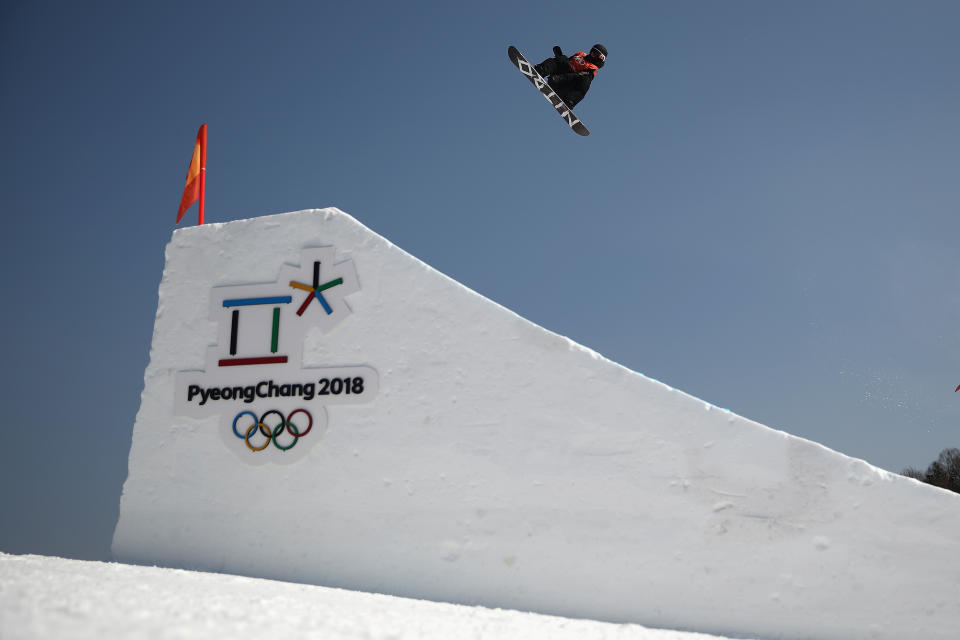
(322, 407)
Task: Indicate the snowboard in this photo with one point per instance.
(537, 80)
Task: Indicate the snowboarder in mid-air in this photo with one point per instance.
(571, 76)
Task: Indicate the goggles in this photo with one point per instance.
(596, 54)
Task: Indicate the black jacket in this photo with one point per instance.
(571, 85)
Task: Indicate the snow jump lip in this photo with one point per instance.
(469, 455)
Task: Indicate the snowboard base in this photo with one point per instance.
(537, 80)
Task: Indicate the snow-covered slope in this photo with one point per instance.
(486, 460)
(43, 598)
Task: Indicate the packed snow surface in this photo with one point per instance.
(482, 459)
(42, 598)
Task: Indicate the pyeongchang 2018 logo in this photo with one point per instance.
(271, 408)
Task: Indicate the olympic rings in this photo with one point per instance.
(292, 428)
(264, 429)
(272, 435)
(249, 413)
(309, 417)
(246, 438)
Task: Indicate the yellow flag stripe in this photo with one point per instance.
(194, 169)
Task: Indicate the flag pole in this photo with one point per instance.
(203, 168)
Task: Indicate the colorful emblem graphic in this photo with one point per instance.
(254, 379)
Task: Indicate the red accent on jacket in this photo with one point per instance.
(578, 62)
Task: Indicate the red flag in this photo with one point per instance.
(196, 176)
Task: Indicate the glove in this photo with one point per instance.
(563, 62)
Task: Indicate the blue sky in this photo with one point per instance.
(765, 214)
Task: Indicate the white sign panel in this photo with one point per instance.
(271, 408)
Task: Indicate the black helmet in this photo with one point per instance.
(599, 51)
